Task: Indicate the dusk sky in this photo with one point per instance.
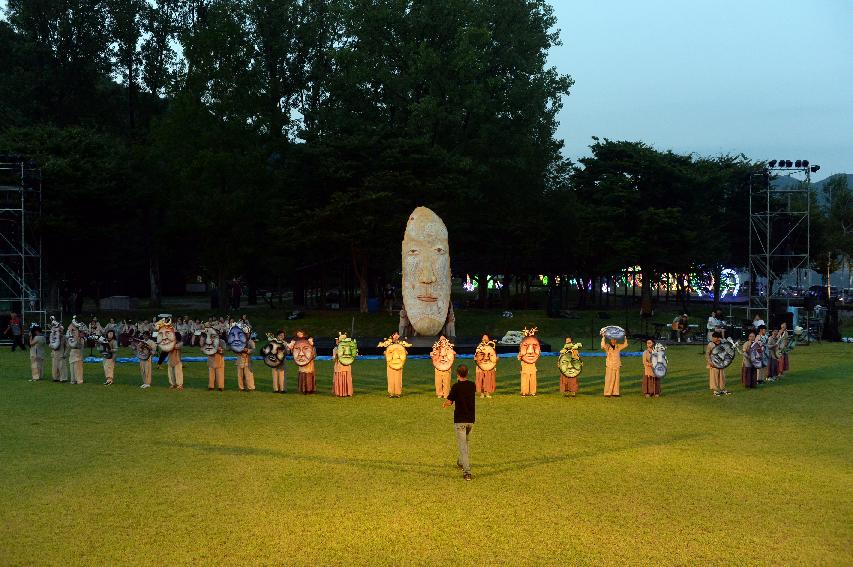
(770, 79)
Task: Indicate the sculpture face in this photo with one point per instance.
(347, 351)
(237, 339)
(303, 352)
(442, 355)
(529, 350)
(486, 357)
(209, 341)
(426, 272)
(395, 356)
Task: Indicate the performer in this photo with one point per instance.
(174, 365)
(75, 338)
(485, 375)
(680, 327)
(570, 365)
(612, 365)
(279, 376)
(144, 348)
(59, 352)
(787, 345)
(717, 376)
(245, 376)
(37, 343)
(443, 355)
(761, 369)
(215, 366)
(302, 347)
(343, 357)
(747, 370)
(395, 358)
(109, 347)
(528, 353)
(773, 356)
(651, 383)
(715, 324)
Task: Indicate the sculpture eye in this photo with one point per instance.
(413, 252)
(439, 250)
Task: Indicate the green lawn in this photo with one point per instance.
(103, 476)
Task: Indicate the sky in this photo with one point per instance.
(769, 79)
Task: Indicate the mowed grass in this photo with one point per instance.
(96, 475)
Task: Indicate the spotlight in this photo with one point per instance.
(815, 168)
(781, 163)
(798, 163)
(805, 163)
(772, 163)
(788, 163)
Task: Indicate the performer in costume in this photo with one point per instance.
(717, 376)
(528, 353)
(761, 367)
(37, 343)
(395, 358)
(108, 346)
(211, 346)
(245, 376)
(747, 370)
(485, 375)
(773, 356)
(651, 383)
(279, 376)
(570, 365)
(170, 345)
(59, 351)
(443, 355)
(302, 347)
(75, 338)
(343, 355)
(613, 361)
(144, 347)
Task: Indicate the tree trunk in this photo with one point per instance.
(483, 289)
(154, 279)
(359, 267)
(717, 285)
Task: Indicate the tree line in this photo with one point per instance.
(273, 138)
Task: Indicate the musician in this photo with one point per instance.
(773, 352)
(279, 376)
(109, 349)
(680, 327)
(651, 383)
(245, 377)
(59, 370)
(37, 343)
(717, 376)
(757, 321)
(612, 364)
(715, 324)
(761, 372)
(783, 341)
(747, 371)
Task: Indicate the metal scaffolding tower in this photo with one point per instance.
(21, 288)
(780, 235)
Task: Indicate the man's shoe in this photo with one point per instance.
(467, 476)
(718, 393)
(181, 387)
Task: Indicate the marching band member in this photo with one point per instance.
(612, 365)
(245, 377)
(717, 376)
(109, 349)
(37, 343)
(747, 370)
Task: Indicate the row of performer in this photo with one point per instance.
(765, 358)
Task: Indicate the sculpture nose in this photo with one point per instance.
(426, 273)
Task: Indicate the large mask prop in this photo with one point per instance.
(347, 349)
(209, 341)
(757, 354)
(395, 352)
(104, 346)
(166, 338)
(442, 354)
(569, 362)
(614, 332)
(75, 336)
(303, 351)
(55, 339)
(274, 352)
(486, 356)
(791, 342)
(659, 361)
(426, 272)
(529, 349)
(723, 354)
(238, 337)
(144, 349)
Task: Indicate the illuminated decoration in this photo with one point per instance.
(543, 279)
(492, 282)
(469, 285)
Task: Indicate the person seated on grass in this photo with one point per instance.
(463, 394)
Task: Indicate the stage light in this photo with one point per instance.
(772, 163)
(798, 163)
(805, 163)
(781, 163)
(815, 168)
(789, 163)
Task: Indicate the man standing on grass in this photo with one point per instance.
(463, 393)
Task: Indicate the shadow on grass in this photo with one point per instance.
(432, 470)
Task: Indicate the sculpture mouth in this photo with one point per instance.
(427, 298)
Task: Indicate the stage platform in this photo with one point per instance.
(420, 345)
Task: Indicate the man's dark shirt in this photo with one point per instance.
(462, 393)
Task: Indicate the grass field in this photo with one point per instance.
(97, 475)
